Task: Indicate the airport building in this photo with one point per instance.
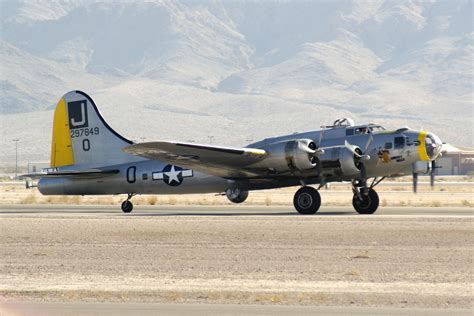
(456, 160)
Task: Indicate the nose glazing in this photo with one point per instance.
(433, 146)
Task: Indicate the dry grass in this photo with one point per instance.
(268, 201)
(172, 201)
(337, 195)
(352, 273)
(174, 296)
(270, 297)
(435, 204)
(30, 199)
(152, 200)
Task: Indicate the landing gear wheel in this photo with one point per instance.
(241, 198)
(307, 200)
(127, 206)
(369, 203)
(236, 195)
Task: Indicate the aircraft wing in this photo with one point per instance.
(224, 162)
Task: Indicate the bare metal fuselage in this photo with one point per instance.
(155, 177)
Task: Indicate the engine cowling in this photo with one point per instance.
(341, 160)
(293, 155)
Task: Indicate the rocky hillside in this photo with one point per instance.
(236, 70)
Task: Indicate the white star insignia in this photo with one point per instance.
(173, 175)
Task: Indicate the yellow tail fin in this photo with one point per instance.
(61, 148)
(81, 137)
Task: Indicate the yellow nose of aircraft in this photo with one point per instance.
(430, 146)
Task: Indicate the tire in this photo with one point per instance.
(127, 206)
(239, 198)
(307, 200)
(368, 205)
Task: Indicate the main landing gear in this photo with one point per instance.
(127, 205)
(365, 199)
(307, 200)
(366, 204)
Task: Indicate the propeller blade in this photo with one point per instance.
(369, 141)
(432, 174)
(320, 138)
(363, 171)
(415, 181)
(363, 179)
(319, 170)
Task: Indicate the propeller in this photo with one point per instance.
(431, 171)
(363, 156)
(369, 141)
(434, 150)
(417, 168)
(319, 165)
(432, 174)
(434, 166)
(415, 181)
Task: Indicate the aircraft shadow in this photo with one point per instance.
(234, 214)
(56, 212)
(183, 214)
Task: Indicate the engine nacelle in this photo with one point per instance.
(341, 160)
(292, 155)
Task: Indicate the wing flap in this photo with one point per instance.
(224, 162)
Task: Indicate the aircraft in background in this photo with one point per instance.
(89, 158)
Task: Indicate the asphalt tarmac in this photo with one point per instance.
(237, 210)
(221, 260)
(119, 309)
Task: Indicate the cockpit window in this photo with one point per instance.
(376, 128)
(362, 130)
(369, 129)
(399, 142)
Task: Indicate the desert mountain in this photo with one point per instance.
(236, 70)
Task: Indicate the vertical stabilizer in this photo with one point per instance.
(61, 148)
(82, 138)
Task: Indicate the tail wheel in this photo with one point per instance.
(307, 200)
(368, 204)
(127, 206)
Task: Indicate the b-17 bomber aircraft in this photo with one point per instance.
(89, 158)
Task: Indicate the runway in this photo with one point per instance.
(262, 257)
(144, 309)
(211, 210)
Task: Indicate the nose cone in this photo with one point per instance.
(430, 147)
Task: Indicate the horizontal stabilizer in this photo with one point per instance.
(89, 173)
